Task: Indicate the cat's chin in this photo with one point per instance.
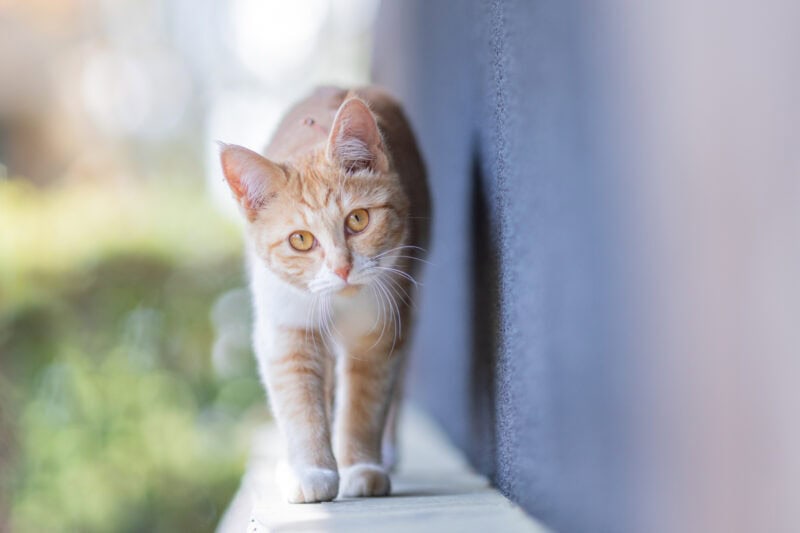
(349, 290)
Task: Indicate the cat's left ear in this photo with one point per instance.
(355, 142)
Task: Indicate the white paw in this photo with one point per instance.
(307, 484)
(364, 479)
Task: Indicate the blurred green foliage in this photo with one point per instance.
(113, 414)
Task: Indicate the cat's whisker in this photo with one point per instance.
(314, 329)
(398, 248)
(328, 323)
(391, 253)
(386, 314)
(378, 314)
(378, 317)
(399, 272)
(383, 309)
(323, 287)
(397, 316)
(398, 332)
(394, 313)
(412, 257)
(312, 317)
(323, 323)
(308, 318)
(399, 291)
(395, 284)
(332, 324)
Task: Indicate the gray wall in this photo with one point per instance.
(608, 324)
(511, 355)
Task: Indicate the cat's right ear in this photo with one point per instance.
(251, 177)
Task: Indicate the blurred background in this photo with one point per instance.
(127, 385)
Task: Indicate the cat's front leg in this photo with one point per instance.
(295, 375)
(367, 374)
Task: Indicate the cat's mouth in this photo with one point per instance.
(337, 287)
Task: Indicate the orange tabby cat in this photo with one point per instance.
(337, 214)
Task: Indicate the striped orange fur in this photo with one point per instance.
(333, 304)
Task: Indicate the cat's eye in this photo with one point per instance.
(301, 240)
(357, 220)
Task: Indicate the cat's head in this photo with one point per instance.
(331, 220)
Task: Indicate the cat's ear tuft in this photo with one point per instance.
(251, 177)
(355, 142)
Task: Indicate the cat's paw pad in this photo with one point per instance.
(364, 479)
(308, 484)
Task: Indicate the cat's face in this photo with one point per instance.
(323, 232)
(334, 221)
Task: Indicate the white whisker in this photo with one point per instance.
(394, 313)
(327, 322)
(379, 317)
(398, 248)
(399, 272)
(388, 319)
(412, 257)
(378, 314)
(395, 286)
(315, 313)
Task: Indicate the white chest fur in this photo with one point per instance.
(279, 305)
(356, 315)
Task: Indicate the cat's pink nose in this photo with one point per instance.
(343, 272)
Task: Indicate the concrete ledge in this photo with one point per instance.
(433, 490)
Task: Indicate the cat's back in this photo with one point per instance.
(306, 125)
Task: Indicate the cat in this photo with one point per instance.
(337, 214)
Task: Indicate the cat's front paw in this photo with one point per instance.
(364, 479)
(308, 484)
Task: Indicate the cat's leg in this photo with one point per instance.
(389, 448)
(295, 375)
(365, 383)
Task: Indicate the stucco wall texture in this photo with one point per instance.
(512, 351)
(608, 325)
